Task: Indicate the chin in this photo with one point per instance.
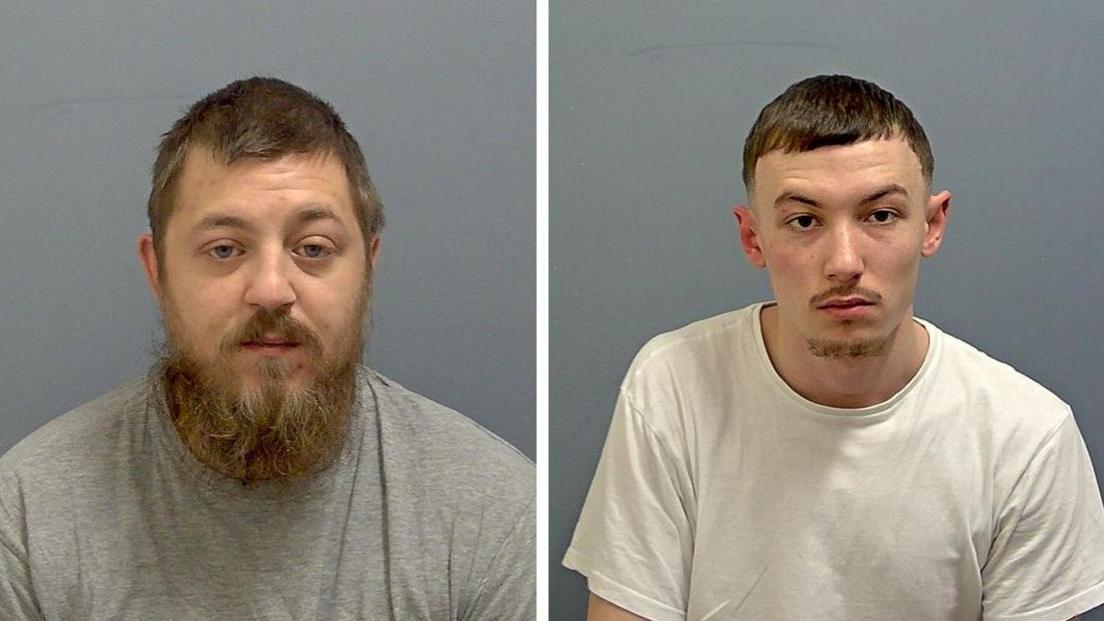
(268, 375)
(290, 378)
(851, 348)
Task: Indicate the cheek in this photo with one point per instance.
(897, 277)
(788, 268)
(902, 260)
(203, 316)
(329, 309)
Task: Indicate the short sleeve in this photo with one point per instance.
(634, 538)
(509, 589)
(1047, 558)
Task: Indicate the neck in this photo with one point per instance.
(845, 382)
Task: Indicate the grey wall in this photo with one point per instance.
(649, 106)
(441, 97)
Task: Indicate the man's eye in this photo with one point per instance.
(803, 222)
(882, 216)
(223, 251)
(313, 251)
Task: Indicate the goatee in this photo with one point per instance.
(268, 430)
(859, 348)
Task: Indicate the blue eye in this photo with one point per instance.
(223, 251)
(314, 251)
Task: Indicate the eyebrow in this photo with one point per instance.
(878, 194)
(311, 214)
(314, 214)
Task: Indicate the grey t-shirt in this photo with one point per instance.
(424, 515)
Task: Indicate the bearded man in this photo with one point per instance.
(827, 455)
(259, 471)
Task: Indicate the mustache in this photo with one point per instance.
(268, 322)
(845, 291)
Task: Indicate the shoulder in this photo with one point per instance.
(451, 481)
(697, 347)
(456, 487)
(80, 438)
(700, 337)
(1004, 415)
(688, 363)
(995, 389)
(53, 465)
(445, 447)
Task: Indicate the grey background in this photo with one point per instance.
(649, 106)
(441, 97)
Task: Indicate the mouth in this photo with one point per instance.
(847, 308)
(843, 303)
(270, 345)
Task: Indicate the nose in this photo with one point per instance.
(844, 262)
(270, 281)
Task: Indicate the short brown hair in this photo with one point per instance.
(260, 118)
(829, 110)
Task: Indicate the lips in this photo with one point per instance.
(270, 347)
(269, 340)
(847, 309)
(846, 303)
(269, 333)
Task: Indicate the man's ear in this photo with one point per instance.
(938, 212)
(148, 258)
(749, 235)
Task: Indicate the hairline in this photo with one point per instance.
(895, 133)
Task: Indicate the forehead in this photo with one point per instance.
(839, 169)
(262, 190)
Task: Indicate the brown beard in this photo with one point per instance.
(270, 432)
(865, 348)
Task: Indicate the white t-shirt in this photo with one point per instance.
(723, 494)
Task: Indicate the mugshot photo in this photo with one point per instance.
(269, 310)
(825, 311)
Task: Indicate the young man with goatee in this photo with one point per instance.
(827, 455)
(260, 471)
